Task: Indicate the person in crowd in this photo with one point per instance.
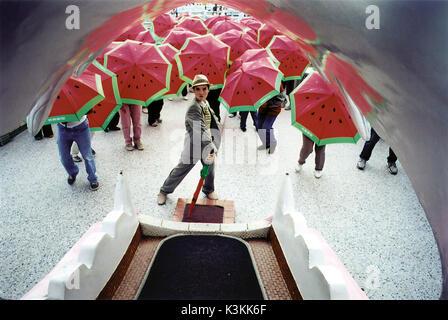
(243, 119)
(154, 109)
(367, 152)
(130, 114)
(306, 150)
(266, 116)
(46, 131)
(214, 102)
(202, 140)
(79, 132)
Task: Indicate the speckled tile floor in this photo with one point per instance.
(372, 220)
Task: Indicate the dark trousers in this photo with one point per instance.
(243, 119)
(369, 145)
(184, 91)
(115, 120)
(45, 131)
(212, 98)
(154, 109)
(307, 149)
(288, 85)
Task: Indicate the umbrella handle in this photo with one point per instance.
(204, 171)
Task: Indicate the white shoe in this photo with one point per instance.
(170, 99)
(186, 98)
(361, 164)
(298, 167)
(317, 173)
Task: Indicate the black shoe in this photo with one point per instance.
(243, 129)
(71, 179)
(115, 128)
(94, 186)
(93, 152)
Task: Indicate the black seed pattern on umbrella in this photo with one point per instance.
(320, 118)
(323, 106)
(312, 113)
(340, 121)
(76, 86)
(334, 109)
(330, 121)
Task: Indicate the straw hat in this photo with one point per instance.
(200, 80)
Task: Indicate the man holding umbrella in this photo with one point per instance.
(202, 140)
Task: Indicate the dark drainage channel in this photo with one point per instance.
(202, 267)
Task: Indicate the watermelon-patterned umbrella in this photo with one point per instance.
(252, 55)
(109, 47)
(210, 22)
(176, 83)
(145, 36)
(178, 36)
(195, 25)
(319, 112)
(103, 112)
(238, 42)
(143, 71)
(76, 97)
(204, 55)
(265, 35)
(163, 24)
(226, 25)
(293, 62)
(252, 23)
(131, 33)
(251, 85)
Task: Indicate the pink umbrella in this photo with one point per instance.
(293, 62)
(195, 25)
(176, 83)
(178, 36)
(265, 35)
(143, 71)
(252, 23)
(253, 55)
(239, 42)
(210, 22)
(145, 36)
(204, 55)
(131, 33)
(251, 85)
(109, 47)
(226, 25)
(163, 24)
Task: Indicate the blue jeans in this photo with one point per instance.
(265, 130)
(81, 135)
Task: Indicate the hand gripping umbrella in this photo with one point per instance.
(204, 174)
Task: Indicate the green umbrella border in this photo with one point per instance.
(309, 133)
(84, 109)
(262, 100)
(181, 71)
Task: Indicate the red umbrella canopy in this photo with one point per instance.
(319, 112)
(226, 25)
(145, 36)
(143, 71)
(76, 97)
(238, 42)
(163, 24)
(109, 47)
(252, 23)
(102, 113)
(176, 83)
(253, 55)
(265, 35)
(131, 33)
(210, 22)
(293, 62)
(204, 55)
(251, 85)
(195, 25)
(178, 36)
